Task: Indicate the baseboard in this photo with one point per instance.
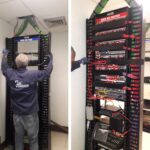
(53, 126)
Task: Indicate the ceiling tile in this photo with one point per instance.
(51, 8)
(12, 9)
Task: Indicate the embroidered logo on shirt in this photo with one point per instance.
(19, 84)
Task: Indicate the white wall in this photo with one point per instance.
(59, 79)
(5, 31)
(81, 9)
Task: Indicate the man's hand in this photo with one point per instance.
(83, 61)
(5, 52)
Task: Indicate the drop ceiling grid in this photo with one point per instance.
(41, 8)
(47, 8)
(13, 9)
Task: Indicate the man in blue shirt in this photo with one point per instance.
(23, 85)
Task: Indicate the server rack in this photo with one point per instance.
(43, 88)
(115, 73)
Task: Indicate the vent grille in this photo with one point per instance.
(54, 22)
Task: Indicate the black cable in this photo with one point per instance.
(43, 61)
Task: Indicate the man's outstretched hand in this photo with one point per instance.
(83, 61)
(5, 52)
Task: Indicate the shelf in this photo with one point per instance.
(147, 79)
(146, 99)
(147, 51)
(146, 109)
(147, 58)
(146, 129)
(146, 106)
(146, 113)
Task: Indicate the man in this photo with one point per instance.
(24, 98)
(76, 64)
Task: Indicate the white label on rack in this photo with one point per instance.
(89, 112)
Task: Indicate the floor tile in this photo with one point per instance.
(59, 141)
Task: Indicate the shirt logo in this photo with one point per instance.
(19, 84)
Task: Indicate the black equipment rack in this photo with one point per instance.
(43, 88)
(114, 49)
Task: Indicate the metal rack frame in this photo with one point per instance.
(129, 143)
(43, 98)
